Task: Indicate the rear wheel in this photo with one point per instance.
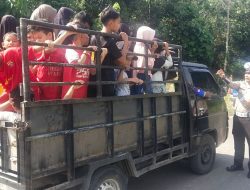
(203, 161)
(109, 178)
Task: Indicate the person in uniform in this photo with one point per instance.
(241, 120)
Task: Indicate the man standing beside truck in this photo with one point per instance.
(241, 121)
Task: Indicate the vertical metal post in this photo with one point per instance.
(25, 61)
(24, 160)
(21, 158)
(25, 147)
(110, 130)
(18, 156)
(170, 121)
(1, 146)
(98, 67)
(153, 124)
(69, 142)
(140, 128)
(4, 150)
(147, 69)
(183, 104)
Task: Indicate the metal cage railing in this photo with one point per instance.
(26, 63)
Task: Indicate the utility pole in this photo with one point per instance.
(228, 4)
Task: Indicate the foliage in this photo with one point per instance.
(117, 7)
(5, 8)
(198, 25)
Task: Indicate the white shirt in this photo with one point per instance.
(245, 90)
(71, 55)
(157, 76)
(122, 89)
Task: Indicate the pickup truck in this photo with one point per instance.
(98, 143)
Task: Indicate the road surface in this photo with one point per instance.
(178, 176)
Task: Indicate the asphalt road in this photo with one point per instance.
(177, 176)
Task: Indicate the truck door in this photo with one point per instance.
(211, 113)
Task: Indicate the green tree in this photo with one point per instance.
(199, 26)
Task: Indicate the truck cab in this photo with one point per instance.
(210, 115)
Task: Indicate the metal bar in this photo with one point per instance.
(146, 69)
(98, 67)
(170, 122)
(25, 168)
(2, 147)
(25, 152)
(21, 167)
(90, 100)
(89, 49)
(69, 142)
(140, 128)
(110, 129)
(98, 126)
(90, 32)
(54, 64)
(160, 164)
(154, 125)
(183, 100)
(32, 43)
(94, 83)
(160, 153)
(25, 62)
(18, 156)
(5, 156)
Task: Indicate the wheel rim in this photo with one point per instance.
(206, 154)
(109, 184)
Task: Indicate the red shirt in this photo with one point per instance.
(51, 74)
(74, 74)
(11, 67)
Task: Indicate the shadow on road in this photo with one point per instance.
(178, 176)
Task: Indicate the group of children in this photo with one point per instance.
(114, 53)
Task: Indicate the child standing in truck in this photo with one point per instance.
(123, 89)
(52, 55)
(10, 40)
(11, 73)
(78, 75)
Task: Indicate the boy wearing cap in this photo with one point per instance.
(241, 121)
(79, 75)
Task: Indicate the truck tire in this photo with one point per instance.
(203, 161)
(111, 178)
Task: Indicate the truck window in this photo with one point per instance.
(205, 81)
